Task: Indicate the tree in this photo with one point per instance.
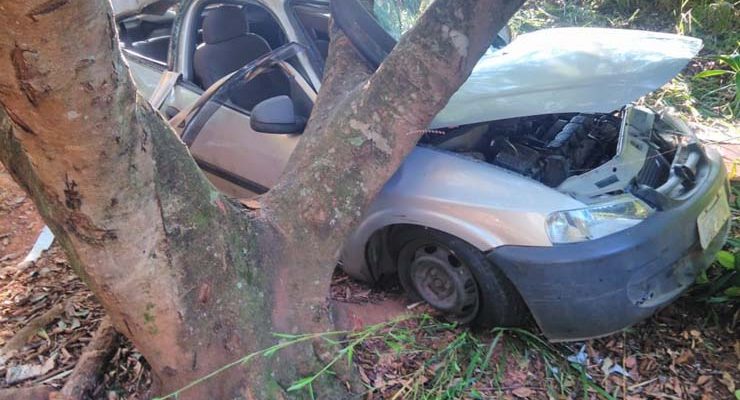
(194, 280)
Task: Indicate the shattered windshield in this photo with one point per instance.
(398, 16)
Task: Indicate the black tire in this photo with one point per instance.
(498, 302)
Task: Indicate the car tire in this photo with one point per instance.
(491, 300)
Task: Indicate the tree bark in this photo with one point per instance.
(190, 277)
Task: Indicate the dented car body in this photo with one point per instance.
(596, 212)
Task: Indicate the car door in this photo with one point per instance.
(239, 160)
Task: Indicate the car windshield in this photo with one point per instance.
(398, 16)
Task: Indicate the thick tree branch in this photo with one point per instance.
(360, 131)
(376, 123)
(136, 219)
(191, 279)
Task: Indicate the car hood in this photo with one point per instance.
(567, 70)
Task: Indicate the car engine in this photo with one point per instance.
(548, 148)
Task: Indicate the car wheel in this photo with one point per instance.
(456, 278)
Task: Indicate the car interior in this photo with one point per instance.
(315, 21)
(231, 36)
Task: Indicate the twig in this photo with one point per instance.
(57, 376)
(641, 384)
(20, 338)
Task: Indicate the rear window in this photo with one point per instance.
(148, 35)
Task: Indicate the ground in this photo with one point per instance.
(690, 350)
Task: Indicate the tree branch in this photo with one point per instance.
(346, 157)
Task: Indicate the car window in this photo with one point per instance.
(315, 22)
(230, 36)
(249, 86)
(148, 35)
(398, 16)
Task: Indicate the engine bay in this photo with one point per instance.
(580, 154)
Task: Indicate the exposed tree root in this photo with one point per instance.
(86, 373)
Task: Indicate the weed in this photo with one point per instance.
(727, 81)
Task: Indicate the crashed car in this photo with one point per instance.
(541, 188)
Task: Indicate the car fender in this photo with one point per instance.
(482, 204)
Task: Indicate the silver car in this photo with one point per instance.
(541, 189)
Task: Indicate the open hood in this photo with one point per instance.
(567, 70)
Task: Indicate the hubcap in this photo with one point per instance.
(444, 282)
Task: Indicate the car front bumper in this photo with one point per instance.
(595, 288)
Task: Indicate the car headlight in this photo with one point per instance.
(597, 220)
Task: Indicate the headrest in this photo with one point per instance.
(224, 23)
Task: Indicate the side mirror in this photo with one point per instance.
(276, 115)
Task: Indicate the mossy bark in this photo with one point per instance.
(193, 279)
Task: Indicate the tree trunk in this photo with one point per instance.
(190, 277)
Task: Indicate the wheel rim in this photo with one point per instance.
(444, 281)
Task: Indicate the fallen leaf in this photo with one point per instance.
(606, 365)
(523, 392)
(251, 204)
(728, 381)
(684, 357)
(703, 379)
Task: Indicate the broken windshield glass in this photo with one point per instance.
(398, 16)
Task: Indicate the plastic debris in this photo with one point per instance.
(580, 358)
(43, 242)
